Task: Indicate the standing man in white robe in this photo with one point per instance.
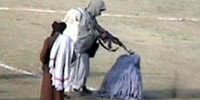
(86, 45)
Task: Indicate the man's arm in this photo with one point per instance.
(100, 29)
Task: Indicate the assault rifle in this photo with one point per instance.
(112, 39)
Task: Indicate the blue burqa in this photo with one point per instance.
(124, 80)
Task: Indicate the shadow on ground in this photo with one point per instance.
(156, 94)
(172, 94)
(148, 95)
(2, 91)
(20, 99)
(14, 76)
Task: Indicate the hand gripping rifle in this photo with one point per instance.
(110, 38)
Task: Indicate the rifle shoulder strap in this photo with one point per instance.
(109, 49)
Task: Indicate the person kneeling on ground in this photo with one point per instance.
(124, 80)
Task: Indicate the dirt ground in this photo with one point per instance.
(169, 48)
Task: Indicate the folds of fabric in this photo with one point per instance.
(60, 60)
(124, 80)
(46, 89)
(81, 70)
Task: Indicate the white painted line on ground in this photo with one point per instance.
(16, 69)
(93, 89)
(107, 15)
(111, 15)
(4, 8)
(31, 10)
(28, 73)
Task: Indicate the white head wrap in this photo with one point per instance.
(72, 19)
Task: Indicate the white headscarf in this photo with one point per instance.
(72, 19)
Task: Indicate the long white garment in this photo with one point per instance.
(73, 18)
(81, 70)
(62, 51)
(60, 60)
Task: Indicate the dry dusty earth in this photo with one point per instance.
(169, 48)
